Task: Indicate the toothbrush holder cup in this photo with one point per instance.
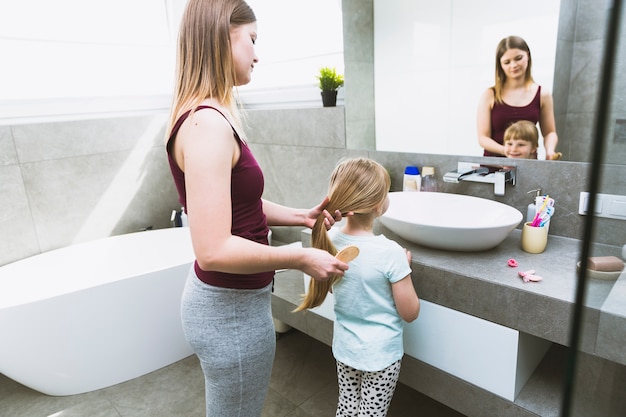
(534, 239)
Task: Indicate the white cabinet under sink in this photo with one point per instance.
(491, 356)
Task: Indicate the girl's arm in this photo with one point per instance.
(405, 297)
(547, 124)
(206, 150)
(483, 124)
(407, 302)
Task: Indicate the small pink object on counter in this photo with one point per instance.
(512, 263)
(529, 276)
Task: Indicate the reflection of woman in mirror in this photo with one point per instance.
(514, 96)
(521, 140)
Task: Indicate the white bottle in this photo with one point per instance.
(183, 218)
(532, 207)
(429, 183)
(412, 179)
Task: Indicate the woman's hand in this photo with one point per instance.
(321, 265)
(329, 220)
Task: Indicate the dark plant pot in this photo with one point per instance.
(329, 98)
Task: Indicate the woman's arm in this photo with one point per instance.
(278, 215)
(483, 124)
(547, 124)
(209, 151)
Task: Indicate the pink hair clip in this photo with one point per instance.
(529, 276)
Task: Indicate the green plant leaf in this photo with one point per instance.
(329, 79)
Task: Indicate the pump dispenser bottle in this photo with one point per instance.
(532, 207)
(412, 179)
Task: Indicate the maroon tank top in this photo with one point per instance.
(248, 219)
(503, 115)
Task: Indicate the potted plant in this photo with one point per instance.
(329, 83)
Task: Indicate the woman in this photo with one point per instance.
(514, 96)
(226, 308)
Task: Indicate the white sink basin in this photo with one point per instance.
(450, 221)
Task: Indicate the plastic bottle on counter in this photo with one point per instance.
(429, 183)
(412, 179)
(532, 207)
(183, 218)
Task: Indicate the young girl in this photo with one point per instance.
(375, 296)
(521, 140)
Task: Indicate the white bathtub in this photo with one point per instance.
(95, 314)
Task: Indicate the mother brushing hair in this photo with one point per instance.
(514, 96)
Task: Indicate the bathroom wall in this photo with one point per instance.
(581, 41)
(68, 182)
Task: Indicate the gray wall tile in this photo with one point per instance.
(46, 141)
(17, 230)
(8, 155)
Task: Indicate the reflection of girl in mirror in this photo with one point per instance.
(375, 296)
(521, 140)
(514, 96)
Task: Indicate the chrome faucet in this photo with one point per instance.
(459, 174)
(498, 175)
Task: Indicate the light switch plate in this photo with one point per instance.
(607, 205)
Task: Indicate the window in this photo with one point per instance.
(69, 58)
(296, 38)
(72, 59)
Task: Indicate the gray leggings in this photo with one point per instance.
(232, 333)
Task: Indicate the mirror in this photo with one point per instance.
(578, 35)
(432, 61)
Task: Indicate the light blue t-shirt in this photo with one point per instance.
(368, 329)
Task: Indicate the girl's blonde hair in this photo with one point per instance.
(523, 129)
(510, 42)
(360, 186)
(204, 62)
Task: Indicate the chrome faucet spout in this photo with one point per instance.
(456, 176)
(496, 175)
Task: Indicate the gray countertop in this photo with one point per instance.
(483, 285)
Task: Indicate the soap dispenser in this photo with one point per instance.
(183, 218)
(532, 207)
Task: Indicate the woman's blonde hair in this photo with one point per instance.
(204, 62)
(523, 129)
(360, 186)
(510, 42)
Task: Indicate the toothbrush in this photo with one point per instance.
(536, 220)
(545, 217)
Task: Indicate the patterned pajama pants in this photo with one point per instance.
(364, 393)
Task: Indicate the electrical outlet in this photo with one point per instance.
(607, 205)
